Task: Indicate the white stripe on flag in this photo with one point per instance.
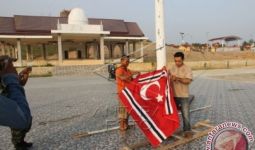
(168, 100)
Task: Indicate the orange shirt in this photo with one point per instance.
(121, 83)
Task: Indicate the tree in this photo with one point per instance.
(251, 41)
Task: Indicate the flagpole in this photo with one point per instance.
(160, 33)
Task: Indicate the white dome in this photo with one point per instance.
(77, 16)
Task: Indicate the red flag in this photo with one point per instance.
(149, 100)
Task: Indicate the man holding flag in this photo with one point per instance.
(181, 77)
(124, 77)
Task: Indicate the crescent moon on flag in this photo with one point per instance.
(145, 88)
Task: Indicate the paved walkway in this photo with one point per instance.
(62, 106)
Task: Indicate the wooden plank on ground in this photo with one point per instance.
(184, 140)
(198, 124)
(89, 133)
(85, 134)
(205, 125)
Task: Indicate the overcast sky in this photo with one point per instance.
(195, 18)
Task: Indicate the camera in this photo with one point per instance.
(111, 71)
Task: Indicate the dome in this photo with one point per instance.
(77, 16)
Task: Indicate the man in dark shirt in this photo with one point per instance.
(14, 109)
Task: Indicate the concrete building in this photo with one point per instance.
(68, 39)
(226, 43)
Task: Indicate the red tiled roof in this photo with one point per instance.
(42, 25)
(112, 25)
(134, 29)
(7, 25)
(37, 23)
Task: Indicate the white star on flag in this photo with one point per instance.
(159, 98)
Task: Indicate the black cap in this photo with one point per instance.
(125, 56)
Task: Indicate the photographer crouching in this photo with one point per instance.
(14, 109)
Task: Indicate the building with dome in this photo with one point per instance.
(68, 39)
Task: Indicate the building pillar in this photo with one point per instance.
(142, 51)
(102, 48)
(3, 48)
(222, 43)
(60, 52)
(127, 47)
(19, 52)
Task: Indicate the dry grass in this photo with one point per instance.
(198, 56)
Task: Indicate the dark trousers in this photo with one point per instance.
(18, 135)
(183, 103)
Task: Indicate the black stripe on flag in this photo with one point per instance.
(144, 116)
(153, 77)
(168, 100)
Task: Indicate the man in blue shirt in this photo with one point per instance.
(14, 109)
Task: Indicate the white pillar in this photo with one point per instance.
(19, 52)
(141, 50)
(160, 33)
(3, 48)
(127, 48)
(102, 48)
(60, 52)
(222, 43)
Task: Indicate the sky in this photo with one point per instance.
(199, 20)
